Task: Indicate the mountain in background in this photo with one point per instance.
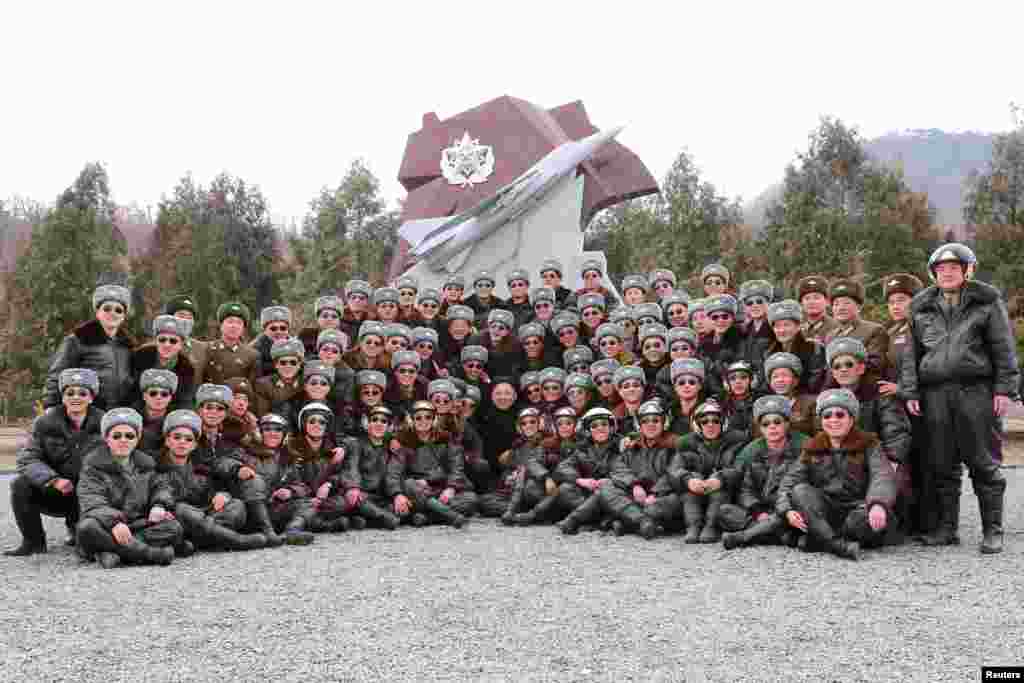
(933, 161)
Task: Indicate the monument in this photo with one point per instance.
(506, 185)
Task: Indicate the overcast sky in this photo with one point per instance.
(287, 97)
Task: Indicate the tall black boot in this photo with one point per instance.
(541, 512)
(821, 531)
(991, 506)
(710, 532)
(28, 519)
(588, 511)
(141, 553)
(259, 519)
(638, 522)
(948, 519)
(436, 507)
(766, 527)
(230, 539)
(693, 514)
(514, 502)
(377, 515)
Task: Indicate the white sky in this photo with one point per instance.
(287, 96)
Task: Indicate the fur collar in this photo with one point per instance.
(145, 357)
(867, 388)
(855, 441)
(102, 459)
(973, 292)
(802, 347)
(91, 333)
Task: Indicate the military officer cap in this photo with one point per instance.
(641, 311)
(653, 331)
(453, 280)
(772, 405)
(621, 314)
(168, 324)
(472, 393)
(121, 416)
(315, 368)
(273, 419)
(385, 295)
(845, 346)
(483, 276)
(677, 296)
(288, 348)
(563, 320)
(424, 334)
(605, 366)
(551, 264)
(651, 408)
(336, 337)
(79, 377)
(579, 380)
(460, 312)
(400, 358)
(783, 359)
(838, 398)
(528, 379)
(181, 302)
(848, 288)
(610, 330)
(116, 293)
(662, 274)
(787, 309)
(234, 309)
(693, 367)
(542, 294)
(752, 288)
(591, 300)
(811, 284)
(517, 274)
(371, 378)
(714, 269)
(272, 314)
(531, 330)
(358, 287)
(720, 302)
(502, 317)
(155, 378)
(328, 303)
(314, 408)
(685, 334)
(576, 355)
(634, 282)
(954, 251)
(556, 375)
(902, 283)
(591, 264)
(241, 386)
(183, 418)
(408, 282)
(429, 294)
(529, 411)
(627, 373)
(473, 352)
(213, 393)
(371, 328)
(442, 386)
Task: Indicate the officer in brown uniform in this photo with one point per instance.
(847, 298)
(230, 356)
(812, 293)
(899, 289)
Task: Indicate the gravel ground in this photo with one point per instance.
(489, 603)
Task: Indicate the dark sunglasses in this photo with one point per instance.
(372, 391)
(327, 348)
(407, 292)
(329, 315)
(631, 385)
(118, 436)
(315, 420)
(407, 371)
(647, 320)
(215, 407)
(425, 346)
(372, 342)
(844, 365)
(837, 414)
(158, 393)
(473, 365)
(605, 343)
(543, 304)
(318, 382)
(662, 285)
(551, 387)
(603, 381)
(568, 332)
(77, 393)
(681, 347)
(756, 300)
(650, 420)
(277, 328)
(533, 390)
(441, 401)
(188, 438)
(429, 304)
(427, 417)
(688, 381)
(379, 421)
(769, 421)
(532, 341)
(173, 341)
(357, 297)
(720, 316)
(709, 421)
(276, 429)
(291, 361)
(654, 346)
(591, 312)
(108, 308)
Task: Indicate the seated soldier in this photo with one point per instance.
(210, 518)
(783, 370)
(738, 401)
(365, 469)
(641, 497)
(158, 390)
(425, 475)
(126, 508)
(753, 519)
(269, 459)
(316, 464)
(586, 470)
(841, 481)
(275, 391)
(537, 491)
(705, 473)
(506, 498)
(50, 461)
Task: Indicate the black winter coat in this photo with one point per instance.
(365, 466)
(764, 470)
(145, 357)
(645, 465)
(90, 347)
(55, 450)
(700, 459)
(112, 494)
(588, 461)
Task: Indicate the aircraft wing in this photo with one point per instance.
(415, 232)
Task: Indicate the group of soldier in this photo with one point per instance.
(734, 417)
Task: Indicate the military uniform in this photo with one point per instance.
(699, 458)
(440, 465)
(365, 468)
(224, 362)
(872, 335)
(645, 464)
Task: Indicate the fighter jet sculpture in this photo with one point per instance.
(445, 243)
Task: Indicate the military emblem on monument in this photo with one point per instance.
(467, 162)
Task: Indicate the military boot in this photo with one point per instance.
(296, 534)
(589, 510)
(765, 527)
(108, 560)
(842, 548)
(377, 515)
(137, 552)
(259, 519)
(541, 512)
(514, 503)
(637, 521)
(710, 533)
(30, 524)
(945, 532)
(441, 510)
(991, 506)
(230, 539)
(693, 513)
